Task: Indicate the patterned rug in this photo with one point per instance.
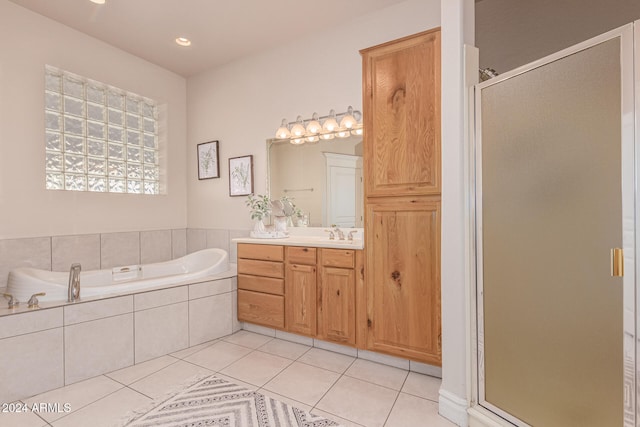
(214, 402)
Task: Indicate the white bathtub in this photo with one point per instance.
(24, 282)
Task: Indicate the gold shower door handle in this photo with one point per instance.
(617, 262)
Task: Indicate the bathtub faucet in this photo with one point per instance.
(74, 282)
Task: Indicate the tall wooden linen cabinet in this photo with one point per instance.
(401, 112)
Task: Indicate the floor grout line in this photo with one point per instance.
(260, 389)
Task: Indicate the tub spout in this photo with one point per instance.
(74, 283)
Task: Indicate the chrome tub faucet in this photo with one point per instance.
(74, 283)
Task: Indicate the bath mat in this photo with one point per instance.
(214, 402)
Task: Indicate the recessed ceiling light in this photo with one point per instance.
(183, 41)
(98, 1)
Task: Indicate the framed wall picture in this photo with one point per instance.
(208, 160)
(241, 176)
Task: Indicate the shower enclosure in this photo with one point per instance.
(555, 223)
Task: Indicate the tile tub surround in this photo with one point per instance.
(52, 347)
(106, 250)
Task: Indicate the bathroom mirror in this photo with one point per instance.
(324, 179)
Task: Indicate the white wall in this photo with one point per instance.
(242, 104)
(513, 33)
(457, 30)
(28, 41)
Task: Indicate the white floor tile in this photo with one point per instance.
(21, 419)
(256, 368)
(386, 376)
(359, 401)
(327, 360)
(105, 412)
(335, 418)
(422, 386)
(76, 395)
(283, 348)
(172, 378)
(303, 383)
(218, 356)
(141, 370)
(247, 339)
(190, 350)
(413, 411)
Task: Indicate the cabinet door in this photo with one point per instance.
(300, 297)
(337, 305)
(401, 105)
(403, 278)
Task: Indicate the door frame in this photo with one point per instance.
(630, 82)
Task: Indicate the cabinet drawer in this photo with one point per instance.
(260, 308)
(263, 252)
(338, 258)
(261, 268)
(300, 255)
(261, 284)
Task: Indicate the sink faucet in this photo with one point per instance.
(338, 232)
(74, 283)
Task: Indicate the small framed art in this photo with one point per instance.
(208, 160)
(241, 176)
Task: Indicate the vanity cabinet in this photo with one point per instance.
(300, 288)
(337, 296)
(401, 116)
(401, 161)
(261, 290)
(304, 290)
(403, 279)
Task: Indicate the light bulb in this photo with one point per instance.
(314, 125)
(312, 138)
(283, 131)
(331, 124)
(348, 121)
(183, 41)
(327, 135)
(357, 130)
(298, 128)
(343, 133)
(297, 141)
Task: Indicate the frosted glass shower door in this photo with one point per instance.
(551, 203)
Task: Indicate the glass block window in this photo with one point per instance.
(98, 137)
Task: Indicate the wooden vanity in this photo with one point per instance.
(311, 291)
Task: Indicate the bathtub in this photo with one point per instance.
(24, 282)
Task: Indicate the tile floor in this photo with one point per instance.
(352, 391)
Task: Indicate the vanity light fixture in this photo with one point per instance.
(183, 41)
(325, 127)
(298, 130)
(331, 124)
(283, 131)
(314, 125)
(348, 121)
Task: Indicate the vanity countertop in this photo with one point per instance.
(310, 236)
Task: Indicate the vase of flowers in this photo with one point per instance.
(260, 207)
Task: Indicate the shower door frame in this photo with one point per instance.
(630, 104)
